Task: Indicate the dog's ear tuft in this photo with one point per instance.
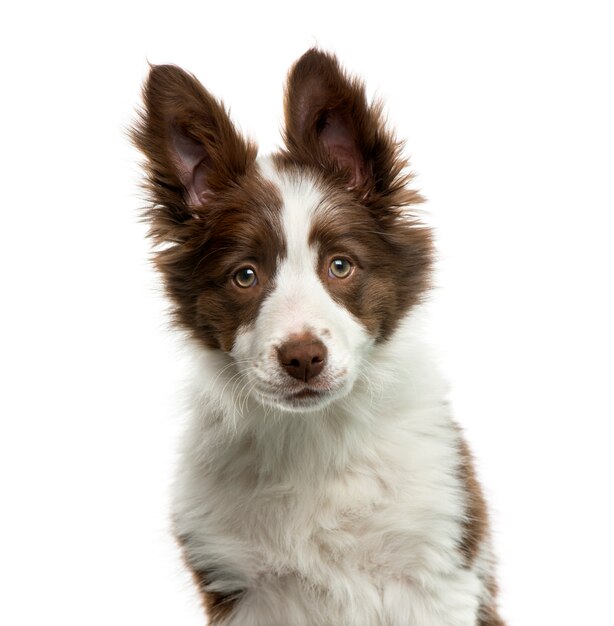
(331, 126)
(192, 148)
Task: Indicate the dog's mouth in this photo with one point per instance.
(306, 398)
(303, 399)
(306, 393)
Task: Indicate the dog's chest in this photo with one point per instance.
(331, 525)
(382, 516)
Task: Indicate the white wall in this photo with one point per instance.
(507, 109)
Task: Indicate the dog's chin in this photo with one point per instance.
(307, 400)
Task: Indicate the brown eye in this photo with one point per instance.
(245, 277)
(339, 268)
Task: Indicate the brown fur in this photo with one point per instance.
(476, 530)
(320, 96)
(391, 261)
(199, 273)
(366, 182)
(235, 222)
(476, 522)
(217, 605)
(489, 616)
(175, 101)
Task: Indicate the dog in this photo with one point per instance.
(323, 480)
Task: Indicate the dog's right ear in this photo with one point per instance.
(192, 148)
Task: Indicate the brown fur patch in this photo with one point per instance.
(391, 259)
(174, 100)
(476, 516)
(489, 616)
(237, 222)
(241, 228)
(217, 605)
(476, 531)
(335, 133)
(319, 95)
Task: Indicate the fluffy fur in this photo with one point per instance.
(323, 481)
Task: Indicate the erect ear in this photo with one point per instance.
(192, 147)
(330, 124)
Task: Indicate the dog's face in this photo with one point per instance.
(297, 264)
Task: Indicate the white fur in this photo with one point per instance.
(349, 513)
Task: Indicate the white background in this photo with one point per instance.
(508, 113)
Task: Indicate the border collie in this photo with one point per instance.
(323, 480)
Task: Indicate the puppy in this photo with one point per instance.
(323, 480)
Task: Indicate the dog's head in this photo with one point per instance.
(297, 264)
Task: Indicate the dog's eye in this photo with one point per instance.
(245, 277)
(340, 268)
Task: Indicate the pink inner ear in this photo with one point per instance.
(337, 138)
(190, 160)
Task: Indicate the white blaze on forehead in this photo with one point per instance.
(301, 198)
(299, 301)
(299, 298)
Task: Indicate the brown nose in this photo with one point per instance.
(303, 357)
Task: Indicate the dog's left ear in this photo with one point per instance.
(331, 126)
